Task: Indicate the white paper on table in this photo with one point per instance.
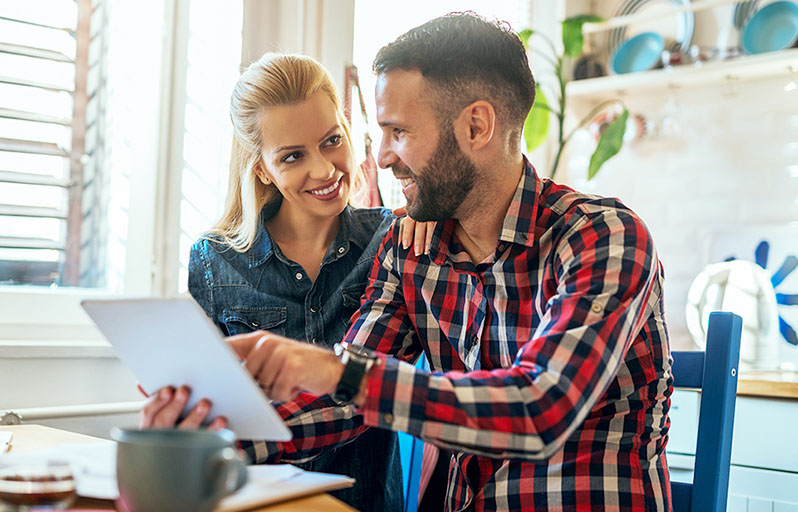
(267, 484)
(5, 440)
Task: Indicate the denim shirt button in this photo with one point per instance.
(315, 341)
(314, 309)
(298, 276)
(341, 250)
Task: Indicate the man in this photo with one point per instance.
(539, 308)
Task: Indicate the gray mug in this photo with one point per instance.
(176, 470)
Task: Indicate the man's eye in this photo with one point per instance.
(291, 157)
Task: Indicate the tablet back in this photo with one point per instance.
(173, 342)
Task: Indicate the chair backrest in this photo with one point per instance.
(412, 452)
(714, 372)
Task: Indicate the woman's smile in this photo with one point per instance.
(327, 192)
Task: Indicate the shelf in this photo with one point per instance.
(750, 67)
(622, 21)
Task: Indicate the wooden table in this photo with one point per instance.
(33, 437)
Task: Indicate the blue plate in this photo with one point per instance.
(640, 53)
(772, 28)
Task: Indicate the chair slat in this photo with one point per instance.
(688, 369)
(681, 495)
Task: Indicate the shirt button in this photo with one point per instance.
(474, 340)
(255, 324)
(341, 250)
(298, 276)
(316, 341)
(314, 309)
(596, 308)
(388, 418)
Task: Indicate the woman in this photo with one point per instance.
(290, 255)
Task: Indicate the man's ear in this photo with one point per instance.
(260, 172)
(477, 125)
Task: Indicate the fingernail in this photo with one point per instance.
(405, 244)
(202, 408)
(418, 251)
(164, 394)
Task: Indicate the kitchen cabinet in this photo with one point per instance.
(764, 472)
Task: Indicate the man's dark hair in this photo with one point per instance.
(465, 58)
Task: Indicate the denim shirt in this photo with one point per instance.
(263, 289)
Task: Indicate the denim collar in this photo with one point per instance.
(350, 231)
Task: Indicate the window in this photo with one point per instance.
(114, 149)
(44, 57)
(84, 94)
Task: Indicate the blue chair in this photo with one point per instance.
(714, 372)
(411, 450)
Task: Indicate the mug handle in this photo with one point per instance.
(230, 472)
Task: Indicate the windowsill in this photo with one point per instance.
(55, 349)
(38, 316)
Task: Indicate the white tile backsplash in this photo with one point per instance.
(733, 162)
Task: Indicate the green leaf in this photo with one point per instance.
(536, 126)
(609, 144)
(524, 36)
(572, 38)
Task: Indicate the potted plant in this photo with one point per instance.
(536, 127)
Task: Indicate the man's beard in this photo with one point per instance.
(443, 184)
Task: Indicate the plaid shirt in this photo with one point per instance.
(551, 379)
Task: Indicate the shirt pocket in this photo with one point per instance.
(351, 296)
(239, 321)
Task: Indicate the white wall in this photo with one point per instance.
(727, 162)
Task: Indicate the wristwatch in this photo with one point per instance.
(357, 360)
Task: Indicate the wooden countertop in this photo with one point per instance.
(769, 384)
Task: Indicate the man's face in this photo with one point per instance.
(424, 156)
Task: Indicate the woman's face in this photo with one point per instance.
(307, 157)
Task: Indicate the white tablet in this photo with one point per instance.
(173, 342)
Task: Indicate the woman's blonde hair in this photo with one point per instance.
(273, 80)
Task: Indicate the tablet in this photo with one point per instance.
(173, 342)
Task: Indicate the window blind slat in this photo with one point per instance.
(36, 53)
(31, 83)
(13, 210)
(14, 242)
(10, 113)
(33, 179)
(34, 24)
(32, 147)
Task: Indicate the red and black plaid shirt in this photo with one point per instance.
(551, 379)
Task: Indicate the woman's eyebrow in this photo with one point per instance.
(329, 132)
(294, 148)
(284, 148)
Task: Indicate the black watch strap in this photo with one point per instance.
(356, 365)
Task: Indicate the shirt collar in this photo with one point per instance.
(263, 246)
(350, 231)
(519, 223)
